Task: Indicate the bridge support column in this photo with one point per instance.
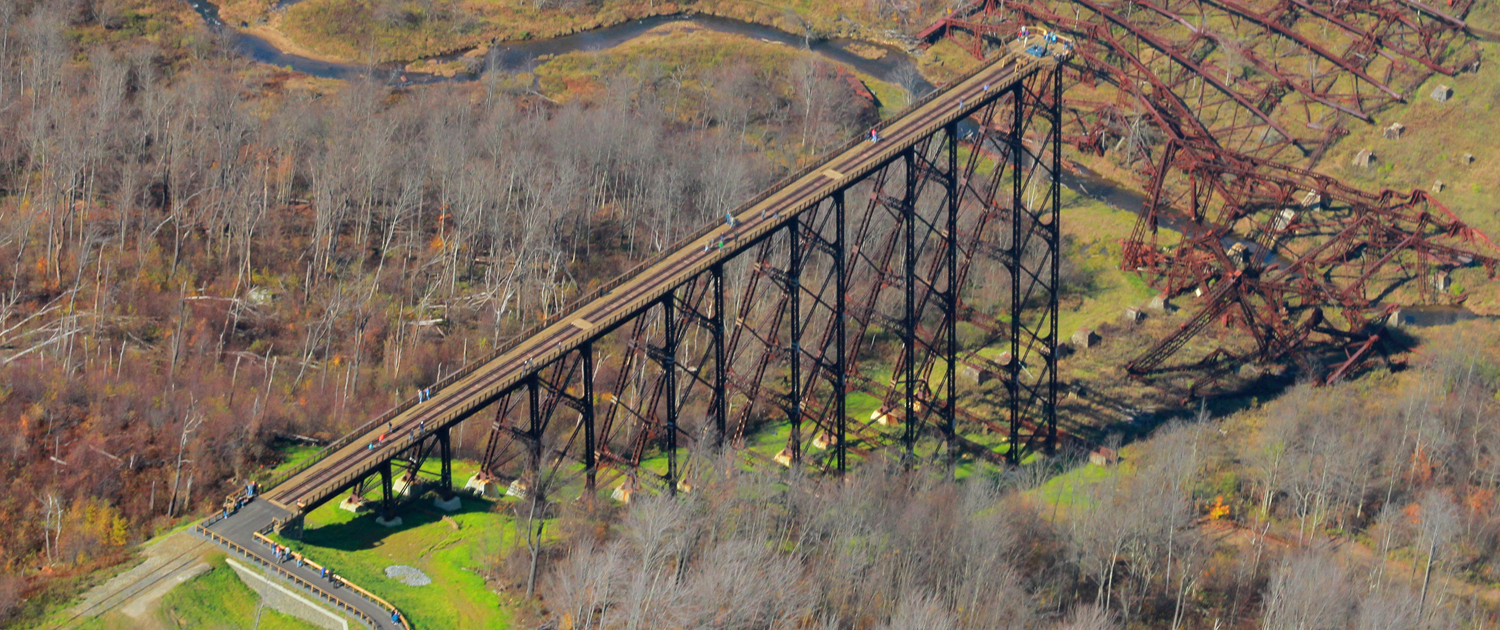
(909, 318)
(669, 382)
(586, 417)
(445, 451)
(1055, 237)
(1017, 250)
(840, 361)
(534, 434)
(794, 355)
(950, 297)
(387, 491)
(721, 371)
(1035, 233)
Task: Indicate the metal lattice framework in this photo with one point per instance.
(845, 281)
(1220, 106)
(1227, 73)
(1289, 256)
(879, 269)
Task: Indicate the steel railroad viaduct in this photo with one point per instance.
(1005, 110)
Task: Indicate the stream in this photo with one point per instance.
(894, 67)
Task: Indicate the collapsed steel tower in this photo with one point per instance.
(1222, 107)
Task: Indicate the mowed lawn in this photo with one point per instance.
(454, 551)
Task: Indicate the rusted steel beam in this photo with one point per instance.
(1276, 27)
(1302, 87)
(1375, 40)
(1272, 293)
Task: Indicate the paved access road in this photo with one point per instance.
(322, 480)
(240, 528)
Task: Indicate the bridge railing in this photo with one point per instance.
(371, 597)
(604, 289)
(319, 591)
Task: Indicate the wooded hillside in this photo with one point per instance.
(200, 254)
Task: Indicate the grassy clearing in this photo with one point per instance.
(945, 61)
(696, 51)
(216, 600)
(292, 455)
(452, 551)
(1096, 229)
(168, 24)
(1071, 490)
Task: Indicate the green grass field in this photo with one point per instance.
(1096, 229)
(218, 599)
(453, 551)
(215, 600)
(292, 455)
(1071, 489)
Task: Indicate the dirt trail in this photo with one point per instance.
(167, 562)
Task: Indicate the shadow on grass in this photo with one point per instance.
(363, 533)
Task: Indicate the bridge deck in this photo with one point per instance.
(355, 459)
